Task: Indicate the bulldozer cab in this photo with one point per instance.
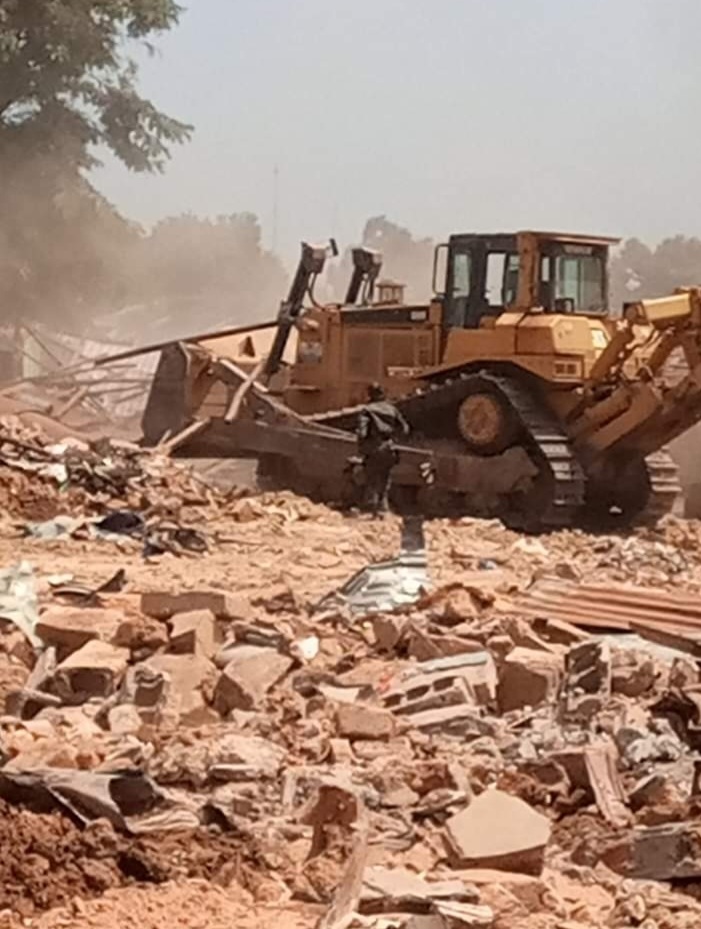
(524, 271)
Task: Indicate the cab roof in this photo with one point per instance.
(506, 237)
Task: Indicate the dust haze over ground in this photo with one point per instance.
(267, 730)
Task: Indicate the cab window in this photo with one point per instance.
(461, 275)
(580, 279)
(496, 262)
(511, 279)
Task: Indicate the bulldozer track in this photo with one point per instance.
(554, 447)
(545, 439)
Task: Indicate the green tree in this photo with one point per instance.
(68, 87)
(67, 82)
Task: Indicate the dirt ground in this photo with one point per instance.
(280, 555)
(188, 905)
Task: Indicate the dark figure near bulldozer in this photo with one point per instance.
(379, 424)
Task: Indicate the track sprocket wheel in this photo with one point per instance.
(486, 422)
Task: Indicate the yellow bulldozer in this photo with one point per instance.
(528, 398)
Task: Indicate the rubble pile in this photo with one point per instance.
(100, 489)
(457, 759)
(96, 475)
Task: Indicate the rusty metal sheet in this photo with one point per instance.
(616, 607)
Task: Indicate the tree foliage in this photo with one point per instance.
(67, 88)
(639, 271)
(67, 83)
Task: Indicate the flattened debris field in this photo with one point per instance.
(263, 712)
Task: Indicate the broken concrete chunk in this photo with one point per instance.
(223, 605)
(528, 678)
(147, 688)
(188, 675)
(668, 852)
(193, 633)
(141, 634)
(425, 921)
(601, 765)
(388, 630)
(95, 670)
(465, 915)
(333, 806)
(462, 720)
(559, 632)
(259, 755)
(341, 751)
(427, 692)
(247, 678)
(426, 646)
(648, 791)
(633, 673)
(523, 635)
(359, 721)
(387, 890)
(347, 894)
(124, 719)
(587, 686)
(279, 599)
(683, 673)
(529, 890)
(465, 678)
(68, 629)
(498, 831)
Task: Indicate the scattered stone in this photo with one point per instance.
(124, 719)
(462, 721)
(142, 635)
(388, 631)
(633, 673)
(648, 791)
(638, 746)
(68, 629)
(341, 751)
(146, 688)
(359, 721)
(527, 888)
(189, 676)
(683, 673)
(193, 633)
(333, 806)
(247, 678)
(668, 852)
(587, 686)
(388, 890)
(279, 598)
(498, 831)
(425, 646)
(528, 678)
(95, 670)
(223, 605)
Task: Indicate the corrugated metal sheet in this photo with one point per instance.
(65, 350)
(389, 585)
(660, 614)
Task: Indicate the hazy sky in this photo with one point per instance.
(446, 115)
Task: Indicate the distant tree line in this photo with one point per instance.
(68, 89)
(638, 271)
